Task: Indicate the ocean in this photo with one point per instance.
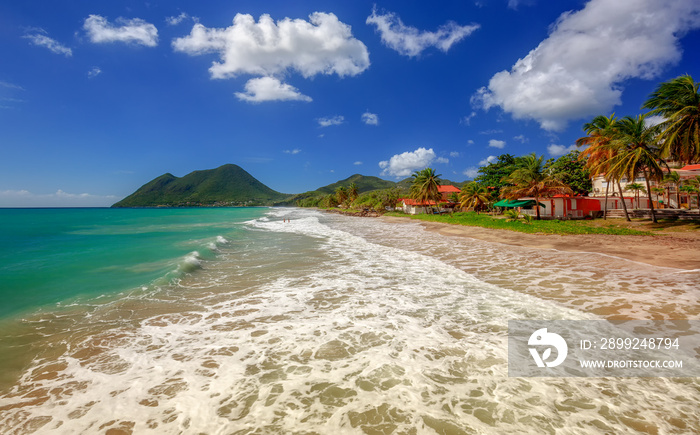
(280, 321)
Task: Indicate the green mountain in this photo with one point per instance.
(225, 185)
(364, 184)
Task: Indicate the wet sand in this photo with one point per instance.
(678, 250)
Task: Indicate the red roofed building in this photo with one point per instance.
(412, 206)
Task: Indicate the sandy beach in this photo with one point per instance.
(671, 249)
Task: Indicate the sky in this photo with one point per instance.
(98, 98)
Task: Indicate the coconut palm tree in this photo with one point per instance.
(341, 194)
(532, 179)
(673, 178)
(473, 196)
(600, 132)
(636, 187)
(691, 190)
(352, 192)
(678, 102)
(635, 149)
(424, 186)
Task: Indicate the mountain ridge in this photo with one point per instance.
(231, 185)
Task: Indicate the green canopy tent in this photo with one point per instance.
(516, 203)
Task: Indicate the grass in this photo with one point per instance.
(598, 226)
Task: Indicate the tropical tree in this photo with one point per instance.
(636, 188)
(352, 192)
(658, 191)
(341, 194)
(634, 144)
(673, 178)
(534, 180)
(597, 154)
(474, 196)
(678, 102)
(329, 201)
(574, 172)
(424, 186)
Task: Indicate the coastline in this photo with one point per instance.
(673, 250)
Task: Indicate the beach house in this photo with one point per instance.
(412, 206)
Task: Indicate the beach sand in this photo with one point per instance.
(671, 249)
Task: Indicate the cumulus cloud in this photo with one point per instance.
(521, 138)
(405, 164)
(370, 118)
(651, 121)
(579, 70)
(500, 144)
(487, 160)
(560, 150)
(136, 31)
(466, 120)
(471, 172)
(454, 154)
(54, 46)
(357, 163)
(443, 160)
(294, 151)
(25, 198)
(270, 89)
(410, 41)
(327, 122)
(322, 45)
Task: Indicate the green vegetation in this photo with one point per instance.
(473, 219)
(228, 185)
(533, 179)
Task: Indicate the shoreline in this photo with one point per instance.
(672, 250)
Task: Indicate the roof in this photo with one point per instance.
(409, 201)
(691, 168)
(448, 188)
(516, 203)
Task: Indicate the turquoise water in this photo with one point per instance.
(50, 256)
(284, 320)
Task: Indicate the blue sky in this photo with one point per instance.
(98, 98)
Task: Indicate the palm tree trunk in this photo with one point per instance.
(605, 207)
(678, 195)
(622, 197)
(537, 207)
(651, 204)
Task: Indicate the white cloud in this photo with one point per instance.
(521, 138)
(25, 198)
(443, 160)
(410, 41)
(294, 151)
(370, 118)
(322, 45)
(651, 121)
(470, 142)
(11, 86)
(327, 122)
(263, 89)
(454, 154)
(53, 45)
(579, 70)
(174, 21)
(500, 144)
(467, 119)
(471, 172)
(487, 160)
(94, 72)
(357, 163)
(405, 164)
(135, 31)
(560, 150)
